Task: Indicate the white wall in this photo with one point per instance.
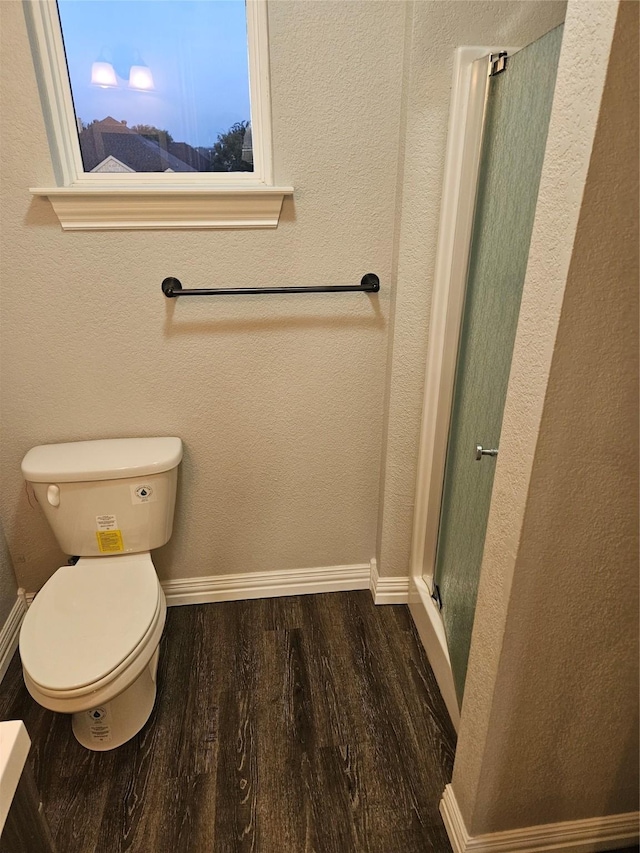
(8, 586)
(278, 399)
(290, 408)
(549, 728)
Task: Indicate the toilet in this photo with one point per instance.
(89, 642)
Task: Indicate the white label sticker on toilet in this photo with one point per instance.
(99, 725)
(106, 522)
(143, 493)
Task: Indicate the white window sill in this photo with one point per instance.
(85, 208)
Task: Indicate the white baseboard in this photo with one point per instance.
(213, 588)
(10, 634)
(266, 584)
(426, 617)
(574, 836)
(388, 590)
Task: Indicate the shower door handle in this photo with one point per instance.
(480, 452)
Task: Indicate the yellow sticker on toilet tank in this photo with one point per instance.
(109, 541)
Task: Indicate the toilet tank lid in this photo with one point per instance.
(106, 459)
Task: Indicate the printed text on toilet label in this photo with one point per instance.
(99, 725)
(108, 535)
(109, 541)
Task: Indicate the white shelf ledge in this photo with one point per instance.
(87, 208)
(14, 748)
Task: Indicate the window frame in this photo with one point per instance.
(86, 200)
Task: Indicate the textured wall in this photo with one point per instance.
(550, 717)
(434, 31)
(8, 587)
(278, 399)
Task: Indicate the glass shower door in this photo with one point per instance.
(517, 118)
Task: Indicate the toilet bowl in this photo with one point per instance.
(89, 642)
(89, 646)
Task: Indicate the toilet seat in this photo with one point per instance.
(89, 623)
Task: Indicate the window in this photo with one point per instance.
(158, 112)
(159, 85)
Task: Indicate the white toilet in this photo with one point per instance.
(89, 641)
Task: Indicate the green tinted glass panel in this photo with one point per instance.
(517, 119)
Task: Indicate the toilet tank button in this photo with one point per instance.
(53, 495)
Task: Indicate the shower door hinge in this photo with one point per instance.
(436, 596)
(497, 63)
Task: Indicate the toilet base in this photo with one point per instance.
(115, 722)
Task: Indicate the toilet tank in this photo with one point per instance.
(113, 496)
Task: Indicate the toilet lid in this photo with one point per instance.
(87, 619)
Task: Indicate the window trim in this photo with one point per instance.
(152, 200)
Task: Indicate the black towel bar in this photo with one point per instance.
(370, 283)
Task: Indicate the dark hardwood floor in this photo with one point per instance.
(283, 725)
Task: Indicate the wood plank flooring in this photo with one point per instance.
(287, 725)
